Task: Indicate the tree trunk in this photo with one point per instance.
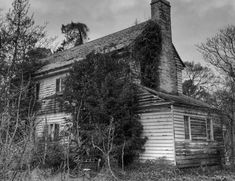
(109, 167)
(123, 152)
(233, 130)
(233, 141)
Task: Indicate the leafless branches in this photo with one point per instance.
(219, 51)
(104, 136)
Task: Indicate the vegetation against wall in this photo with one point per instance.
(146, 52)
(102, 98)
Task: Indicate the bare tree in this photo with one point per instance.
(102, 140)
(199, 81)
(219, 51)
(19, 35)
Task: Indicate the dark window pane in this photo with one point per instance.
(57, 131)
(198, 129)
(62, 84)
(58, 88)
(208, 127)
(186, 127)
(37, 91)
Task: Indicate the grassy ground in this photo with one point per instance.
(150, 171)
(163, 172)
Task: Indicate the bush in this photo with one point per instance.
(48, 155)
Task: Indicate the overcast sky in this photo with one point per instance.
(192, 20)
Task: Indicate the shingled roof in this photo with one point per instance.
(178, 99)
(116, 40)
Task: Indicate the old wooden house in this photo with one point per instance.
(180, 129)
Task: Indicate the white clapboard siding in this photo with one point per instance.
(179, 114)
(158, 128)
(58, 118)
(195, 153)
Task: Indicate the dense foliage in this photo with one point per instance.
(146, 51)
(100, 89)
(75, 34)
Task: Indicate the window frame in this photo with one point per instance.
(60, 88)
(52, 133)
(207, 138)
(211, 138)
(189, 128)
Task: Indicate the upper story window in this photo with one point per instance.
(196, 128)
(37, 90)
(59, 85)
(209, 128)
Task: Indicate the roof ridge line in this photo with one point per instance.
(87, 43)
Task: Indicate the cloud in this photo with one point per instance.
(120, 5)
(202, 6)
(192, 20)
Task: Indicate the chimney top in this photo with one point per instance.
(161, 13)
(163, 1)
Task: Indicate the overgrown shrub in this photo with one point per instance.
(49, 155)
(100, 94)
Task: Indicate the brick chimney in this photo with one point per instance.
(161, 13)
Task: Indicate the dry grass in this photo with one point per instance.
(150, 171)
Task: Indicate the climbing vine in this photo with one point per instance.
(102, 98)
(146, 52)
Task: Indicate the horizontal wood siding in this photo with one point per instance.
(50, 106)
(157, 121)
(197, 152)
(47, 89)
(189, 154)
(58, 118)
(158, 128)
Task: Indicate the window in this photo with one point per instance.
(37, 90)
(187, 127)
(53, 131)
(209, 128)
(59, 85)
(196, 128)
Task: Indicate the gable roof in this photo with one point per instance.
(115, 41)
